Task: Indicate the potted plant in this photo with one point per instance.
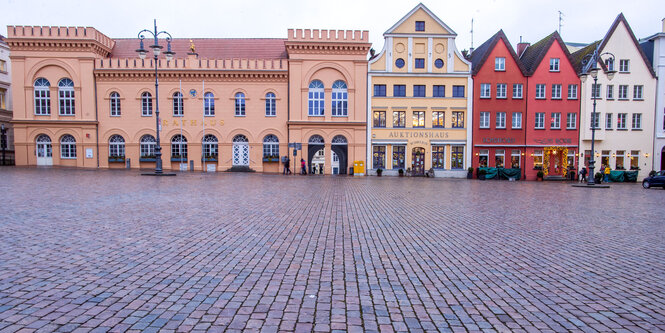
(540, 175)
(482, 173)
(598, 177)
(379, 171)
(401, 172)
(469, 174)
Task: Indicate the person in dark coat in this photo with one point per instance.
(303, 167)
(583, 175)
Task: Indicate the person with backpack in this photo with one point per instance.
(583, 175)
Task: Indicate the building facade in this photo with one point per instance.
(553, 106)
(6, 101)
(225, 104)
(419, 101)
(654, 48)
(624, 118)
(499, 105)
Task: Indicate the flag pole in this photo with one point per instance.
(203, 164)
(182, 100)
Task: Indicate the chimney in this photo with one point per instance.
(521, 47)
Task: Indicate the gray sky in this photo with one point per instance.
(583, 21)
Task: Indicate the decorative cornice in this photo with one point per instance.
(321, 48)
(327, 123)
(134, 75)
(51, 122)
(49, 45)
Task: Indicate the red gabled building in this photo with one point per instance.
(552, 108)
(499, 105)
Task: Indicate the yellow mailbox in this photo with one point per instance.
(358, 168)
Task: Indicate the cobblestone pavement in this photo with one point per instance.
(84, 250)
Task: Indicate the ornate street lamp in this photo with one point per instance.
(156, 49)
(589, 68)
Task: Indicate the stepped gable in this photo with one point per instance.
(480, 55)
(210, 48)
(535, 53)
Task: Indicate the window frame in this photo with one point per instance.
(316, 99)
(381, 116)
(438, 90)
(438, 119)
(270, 146)
(555, 122)
(419, 90)
(541, 91)
(571, 118)
(572, 91)
(638, 88)
(397, 152)
(555, 64)
(556, 91)
(378, 156)
(539, 119)
(340, 99)
(609, 92)
(636, 123)
(401, 119)
(240, 103)
(516, 116)
(399, 90)
(147, 145)
(608, 121)
(418, 118)
(420, 26)
(146, 104)
(381, 90)
(42, 101)
(419, 63)
(500, 120)
(457, 118)
(484, 119)
(518, 87)
(66, 97)
(624, 66)
(438, 156)
(456, 90)
(115, 104)
(623, 92)
(179, 147)
(178, 104)
(209, 104)
(622, 121)
(117, 146)
(67, 147)
(499, 64)
(271, 104)
(501, 90)
(485, 90)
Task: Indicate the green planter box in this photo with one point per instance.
(116, 159)
(147, 159)
(182, 159)
(270, 159)
(209, 159)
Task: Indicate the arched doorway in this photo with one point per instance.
(44, 150)
(315, 153)
(240, 150)
(339, 147)
(418, 161)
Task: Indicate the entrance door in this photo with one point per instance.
(555, 168)
(418, 161)
(240, 150)
(662, 159)
(334, 163)
(44, 150)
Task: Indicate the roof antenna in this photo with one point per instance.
(560, 20)
(471, 49)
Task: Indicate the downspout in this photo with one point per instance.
(526, 122)
(94, 77)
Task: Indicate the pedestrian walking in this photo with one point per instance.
(287, 165)
(607, 174)
(583, 175)
(303, 165)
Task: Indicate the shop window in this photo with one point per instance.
(499, 158)
(438, 156)
(457, 157)
(634, 160)
(398, 157)
(605, 158)
(379, 157)
(619, 159)
(515, 159)
(538, 159)
(483, 157)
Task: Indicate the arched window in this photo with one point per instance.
(209, 104)
(316, 139)
(270, 105)
(43, 138)
(270, 147)
(178, 105)
(210, 145)
(148, 144)
(240, 104)
(67, 147)
(66, 97)
(240, 138)
(179, 147)
(339, 140)
(43, 147)
(340, 97)
(42, 97)
(116, 146)
(316, 98)
(146, 104)
(115, 104)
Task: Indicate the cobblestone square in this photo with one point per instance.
(105, 250)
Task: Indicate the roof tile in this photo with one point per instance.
(211, 48)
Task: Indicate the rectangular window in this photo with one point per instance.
(458, 119)
(457, 157)
(418, 90)
(420, 25)
(609, 62)
(610, 91)
(3, 98)
(571, 158)
(501, 89)
(554, 64)
(438, 119)
(604, 158)
(571, 120)
(484, 120)
(517, 90)
(634, 160)
(540, 120)
(556, 120)
(624, 65)
(623, 91)
(595, 120)
(517, 120)
(540, 91)
(178, 105)
(572, 91)
(399, 90)
(380, 90)
(608, 121)
(418, 118)
(538, 159)
(499, 64)
(485, 90)
(399, 119)
(556, 91)
(595, 91)
(619, 159)
(458, 91)
(483, 156)
(439, 91)
(621, 121)
(500, 120)
(379, 157)
(398, 157)
(420, 62)
(379, 119)
(438, 157)
(499, 158)
(637, 92)
(3, 66)
(515, 159)
(637, 121)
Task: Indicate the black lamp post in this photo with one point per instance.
(589, 68)
(156, 49)
(3, 141)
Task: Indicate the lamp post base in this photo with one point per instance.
(591, 186)
(164, 174)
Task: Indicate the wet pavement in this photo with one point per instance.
(105, 250)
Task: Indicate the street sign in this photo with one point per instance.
(292, 144)
(299, 146)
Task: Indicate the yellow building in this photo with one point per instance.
(419, 100)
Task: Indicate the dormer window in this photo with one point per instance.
(420, 25)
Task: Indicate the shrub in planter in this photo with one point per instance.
(379, 171)
(469, 173)
(481, 174)
(598, 177)
(401, 172)
(540, 175)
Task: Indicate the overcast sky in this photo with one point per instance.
(583, 21)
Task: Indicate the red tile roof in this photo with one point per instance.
(211, 48)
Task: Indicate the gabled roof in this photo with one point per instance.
(480, 55)
(620, 18)
(211, 48)
(415, 9)
(535, 53)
